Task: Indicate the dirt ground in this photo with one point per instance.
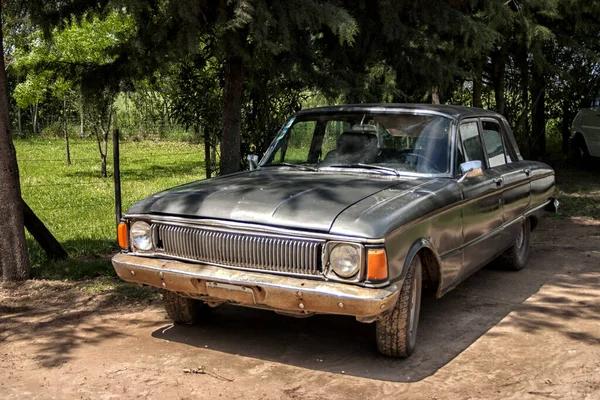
(529, 334)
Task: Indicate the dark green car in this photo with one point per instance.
(352, 210)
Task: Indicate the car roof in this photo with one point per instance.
(450, 111)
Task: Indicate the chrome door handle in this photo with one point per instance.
(527, 171)
(498, 181)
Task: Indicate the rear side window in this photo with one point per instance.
(471, 143)
(494, 147)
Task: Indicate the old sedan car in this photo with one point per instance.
(351, 211)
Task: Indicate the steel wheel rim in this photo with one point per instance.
(415, 305)
(521, 238)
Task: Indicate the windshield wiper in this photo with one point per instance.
(283, 164)
(390, 171)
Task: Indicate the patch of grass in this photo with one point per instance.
(118, 290)
(74, 269)
(77, 204)
(578, 191)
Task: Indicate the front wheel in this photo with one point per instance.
(183, 310)
(397, 330)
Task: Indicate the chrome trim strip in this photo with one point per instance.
(166, 257)
(267, 253)
(328, 271)
(492, 233)
(520, 218)
(491, 192)
(531, 210)
(371, 109)
(240, 227)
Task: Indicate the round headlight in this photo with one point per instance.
(140, 236)
(345, 260)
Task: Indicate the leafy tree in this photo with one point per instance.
(75, 59)
(196, 103)
(242, 33)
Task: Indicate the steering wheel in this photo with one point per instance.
(429, 163)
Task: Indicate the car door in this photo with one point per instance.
(482, 201)
(590, 126)
(515, 177)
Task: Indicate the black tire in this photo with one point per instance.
(183, 310)
(397, 330)
(516, 257)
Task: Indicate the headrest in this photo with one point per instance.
(349, 142)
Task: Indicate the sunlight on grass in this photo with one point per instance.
(77, 204)
(118, 290)
(578, 191)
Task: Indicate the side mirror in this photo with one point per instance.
(252, 161)
(471, 169)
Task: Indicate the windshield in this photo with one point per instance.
(407, 143)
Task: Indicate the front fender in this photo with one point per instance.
(417, 246)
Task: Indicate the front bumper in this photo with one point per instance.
(255, 289)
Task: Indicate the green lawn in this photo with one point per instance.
(77, 204)
(578, 191)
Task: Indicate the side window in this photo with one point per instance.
(494, 147)
(471, 143)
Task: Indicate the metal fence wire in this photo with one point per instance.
(79, 206)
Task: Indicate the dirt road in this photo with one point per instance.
(529, 334)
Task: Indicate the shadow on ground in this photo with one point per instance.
(55, 318)
(447, 326)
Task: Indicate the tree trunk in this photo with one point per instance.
(207, 158)
(42, 235)
(101, 141)
(435, 96)
(14, 260)
(19, 127)
(477, 85)
(499, 74)
(67, 148)
(538, 115)
(35, 115)
(523, 121)
(233, 94)
(103, 166)
(81, 118)
(567, 118)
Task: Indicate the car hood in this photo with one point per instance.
(282, 198)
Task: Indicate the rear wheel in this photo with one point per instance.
(183, 310)
(397, 330)
(515, 258)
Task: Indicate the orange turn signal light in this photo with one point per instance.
(377, 268)
(122, 235)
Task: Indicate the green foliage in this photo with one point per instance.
(59, 63)
(169, 56)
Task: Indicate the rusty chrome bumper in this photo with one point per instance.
(255, 289)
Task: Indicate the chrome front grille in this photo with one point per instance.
(271, 253)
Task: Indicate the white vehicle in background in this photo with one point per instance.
(585, 140)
